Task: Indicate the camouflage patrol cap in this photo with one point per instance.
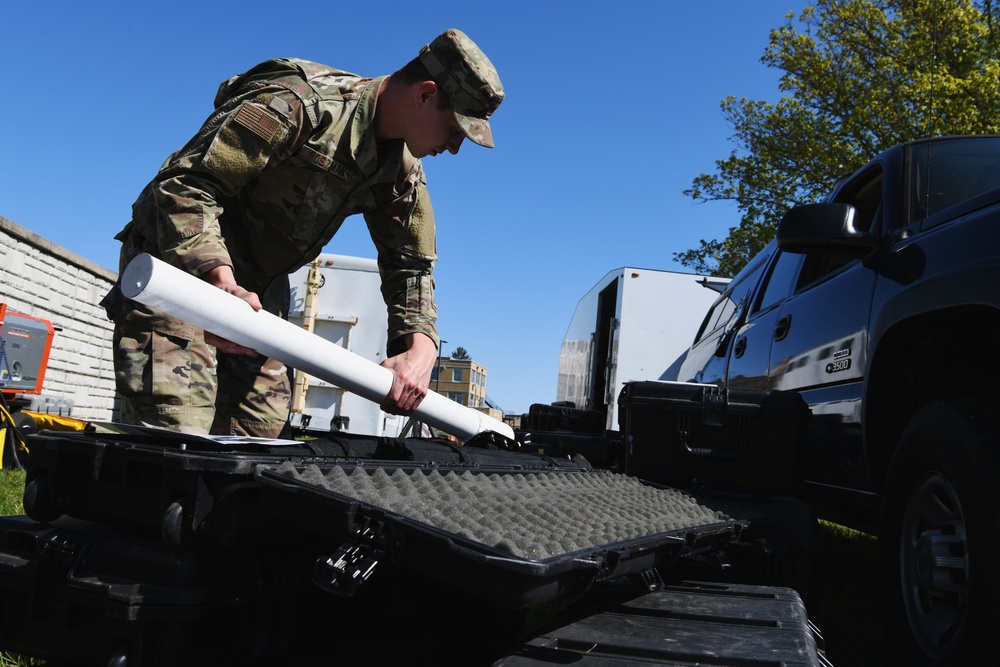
(469, 79)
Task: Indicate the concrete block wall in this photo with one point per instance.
(42, 279)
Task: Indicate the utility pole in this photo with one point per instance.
(437, 382)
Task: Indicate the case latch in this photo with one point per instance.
(713, 405)
(344, 571)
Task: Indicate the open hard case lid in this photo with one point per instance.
(201, 489)
(513, 537)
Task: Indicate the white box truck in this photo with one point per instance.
(338, 298)
(632, 325)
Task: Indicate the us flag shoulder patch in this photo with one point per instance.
(257, 121)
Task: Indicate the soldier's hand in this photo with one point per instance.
(411, 375)
(228, 346)
(223, 278)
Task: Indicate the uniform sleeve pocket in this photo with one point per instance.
(244, 143)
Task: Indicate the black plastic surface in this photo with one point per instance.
(684, 625)
(682, 433)
(543, 417)
(90, 595)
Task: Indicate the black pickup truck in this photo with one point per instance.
(875, 305)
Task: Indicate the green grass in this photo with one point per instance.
(13, 660)
(11, 495)
(845, 613)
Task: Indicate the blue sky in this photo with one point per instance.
(611, 111)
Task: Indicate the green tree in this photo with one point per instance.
(460, 353)
(859, 77)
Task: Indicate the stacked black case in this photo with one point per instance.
(79, 593)
(681, 434)
(684, 625)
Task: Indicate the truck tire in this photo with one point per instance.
(940, 536)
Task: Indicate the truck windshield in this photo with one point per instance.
(946, 172)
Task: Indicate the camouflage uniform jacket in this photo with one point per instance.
(288, 154)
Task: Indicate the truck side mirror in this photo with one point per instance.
(825, 227)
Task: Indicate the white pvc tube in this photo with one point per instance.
(159, 285)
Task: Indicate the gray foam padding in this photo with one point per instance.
(530, 515)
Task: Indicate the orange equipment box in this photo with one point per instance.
(25, 343)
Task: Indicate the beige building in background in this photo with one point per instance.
(463, 381)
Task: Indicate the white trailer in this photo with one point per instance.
(633, 325)
(346, 308)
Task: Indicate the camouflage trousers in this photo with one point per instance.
(187, 386)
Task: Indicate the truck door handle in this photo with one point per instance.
(782, 327)
(741, 347)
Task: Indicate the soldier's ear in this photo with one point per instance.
(426, 92)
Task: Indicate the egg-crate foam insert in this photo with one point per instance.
(529, 515)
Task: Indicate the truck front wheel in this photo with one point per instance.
(940, 535)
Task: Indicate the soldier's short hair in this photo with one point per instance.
(416, 72)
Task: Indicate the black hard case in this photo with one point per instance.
(679, 434)
(192, 490)
(686, 624)
(543, 417)
(369, 535)
(78, 593)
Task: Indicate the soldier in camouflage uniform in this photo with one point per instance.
(292, 149)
